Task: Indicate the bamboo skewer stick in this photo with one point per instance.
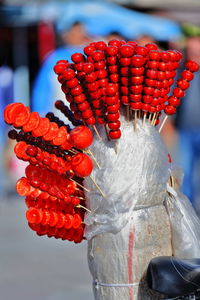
(149, 118)
(135, 120)
(97, 133)
(73, 151)
(106, 130)
(81, 206)
(144, 118)
(80, 185)
(97, 186)
(153, 119)
(90, 152)
(163, 123)
(154, 123)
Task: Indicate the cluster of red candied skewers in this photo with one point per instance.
(96, 85)
(121, 73)
(57, 166)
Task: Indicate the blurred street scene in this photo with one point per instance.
(33, 37)
(39, 268)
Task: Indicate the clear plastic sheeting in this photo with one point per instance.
(134, 177)
(118, 262)
(185, 225)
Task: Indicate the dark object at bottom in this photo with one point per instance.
(175, 278)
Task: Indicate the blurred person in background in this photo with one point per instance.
(188, 125)
(46, 89)
(113, 35)
(144, 39)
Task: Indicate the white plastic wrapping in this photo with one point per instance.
(135, 177)
(185, 225)
(116, 260)
(130, 225)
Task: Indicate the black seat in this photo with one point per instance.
(173, 277)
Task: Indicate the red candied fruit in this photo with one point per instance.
(192, 66)
(34, 215)
(89, 50)
(90, 121)
(170, 110)
(101, 45)
(59, 68)
(98, 56)
(137, 61)
(77, 58)
(111, 50)
(81, 137)
(174, 101)
(22, 117)
(126, 50)
(111, 90)
(114, 125)
(68, 74)
(183, 84)
(114, 43)
(187, 75)
(141, 50)
(136, 105)
(178, 92)
(155, 55)
(115, 134)
(82, 165)
(151, 46)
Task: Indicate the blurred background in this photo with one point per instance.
(33, 36)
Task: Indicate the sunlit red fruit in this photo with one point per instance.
(113, 69)
(98, 56)
(137, 61)
(151, 46)
(86, 114)
(170, 110)
(72, 83)
(125, 100)
(113, 117)
(77, 58)
(59, 68)
(140, 50)
(154, 55)
(136, 105)
(178, 92)
(82, 165)
(111, 90)
(112, 50)
(183, 84)
(90, 121)
(153, 64)
(125, 61)
(113, 108)
(192, 66)
(115, 134)
(126, 51)
(83, 106)
(12, 111)
(174, 101)
(114, 125)
(135, 97)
